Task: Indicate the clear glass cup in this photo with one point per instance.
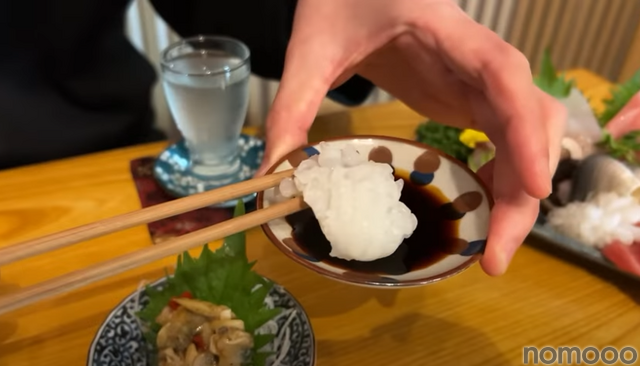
(206, 84)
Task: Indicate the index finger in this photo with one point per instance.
(305, 82)
(503, 75)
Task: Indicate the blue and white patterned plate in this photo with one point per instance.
(119, 341)
(427, 168)
(172, 170)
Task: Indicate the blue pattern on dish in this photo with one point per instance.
(474, 247)
(172, 170)
(120, 341)
(306, 257)
(421, 179)
(311, 151)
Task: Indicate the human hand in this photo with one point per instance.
(441, 63)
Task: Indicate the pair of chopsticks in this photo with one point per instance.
(149, 254)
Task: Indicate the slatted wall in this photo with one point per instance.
(594, 34)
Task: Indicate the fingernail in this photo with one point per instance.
(545, 179)
(548, 188)
(507, 256)
(552, 170)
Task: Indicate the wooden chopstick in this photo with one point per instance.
(85, 232)
(147, 255)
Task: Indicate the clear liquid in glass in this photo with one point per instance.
(209, 107)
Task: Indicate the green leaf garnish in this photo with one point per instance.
(444, 138)
(620, 96)
(624, 148)
(223, 277)
(260, 358)
(261, 340)
(549, 81)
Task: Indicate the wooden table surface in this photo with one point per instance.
(471, 319)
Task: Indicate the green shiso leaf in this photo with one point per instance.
(223, 277)
(549, 81)
(620, 96)
(627, 146)
(624, 148)
(444, 138)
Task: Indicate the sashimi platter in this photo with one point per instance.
(594, 209)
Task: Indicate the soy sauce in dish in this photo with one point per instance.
(434, 238)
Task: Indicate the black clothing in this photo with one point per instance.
(71, 83)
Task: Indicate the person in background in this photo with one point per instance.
(71, 83)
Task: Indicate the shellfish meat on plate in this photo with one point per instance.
(213, 311)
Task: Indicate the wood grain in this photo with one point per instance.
(150, 254)
(471, 319)
(125, 221)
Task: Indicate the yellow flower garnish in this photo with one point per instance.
(472, 137)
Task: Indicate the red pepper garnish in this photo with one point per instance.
(199, 342)
(174, 305)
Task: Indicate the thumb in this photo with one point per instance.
(486, 173)
(307, 77)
